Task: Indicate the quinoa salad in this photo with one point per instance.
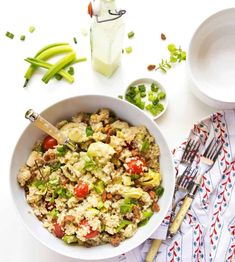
(102, 192)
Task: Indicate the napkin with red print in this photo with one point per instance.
(208, 231)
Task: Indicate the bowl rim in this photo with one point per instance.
(197, 89)
(40, 239)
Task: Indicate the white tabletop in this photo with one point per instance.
(60, 21)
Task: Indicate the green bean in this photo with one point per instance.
(58, 66)
(62, 73)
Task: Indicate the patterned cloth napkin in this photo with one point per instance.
(208, 231)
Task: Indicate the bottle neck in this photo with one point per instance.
(107, 5)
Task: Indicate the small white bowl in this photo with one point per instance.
(147, 82)
(65, 110)
(211, 60)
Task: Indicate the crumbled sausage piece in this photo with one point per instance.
(136, 212)
(147, 188)
(152, 194)
(109, 196)
(104, 196)
(155, 207)
(117, 196)
(69, 218)
(115, 240)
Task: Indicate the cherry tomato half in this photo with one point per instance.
(136, 165)
(92, 233)
(49, 142)
(81, 189)
(58, 231)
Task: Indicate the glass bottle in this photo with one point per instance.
(106, 37)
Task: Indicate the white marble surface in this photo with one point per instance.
(61, 21)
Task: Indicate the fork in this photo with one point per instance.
(207, 161)
(182, 182)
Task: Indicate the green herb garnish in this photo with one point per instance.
(89, 131)
(71, 71)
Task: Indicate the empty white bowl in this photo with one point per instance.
(65, 110)
(211, 60)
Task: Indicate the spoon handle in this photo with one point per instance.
(48, 128)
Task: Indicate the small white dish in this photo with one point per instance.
(147, 82)
(211, 60)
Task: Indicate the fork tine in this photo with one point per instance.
(216, 154)
(194, 151)
(208, 148)
(187, 149)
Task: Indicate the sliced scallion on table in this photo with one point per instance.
(9, 35)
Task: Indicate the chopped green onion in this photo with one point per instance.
(54, 213)
(22, 37)
(145, 145)
(142, 88)
(61, 149)
(89, 131)
(75, 40)
(120, 97)
(58, 77)
(161, 95)
(31, 29)
(71, 71)
(123, 223)
(131, 34)
(128, 49)
(9, 35)
(154, 87)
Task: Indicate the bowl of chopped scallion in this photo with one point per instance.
(149, 95)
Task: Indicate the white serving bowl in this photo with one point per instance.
(65, 110)
(211, 60)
